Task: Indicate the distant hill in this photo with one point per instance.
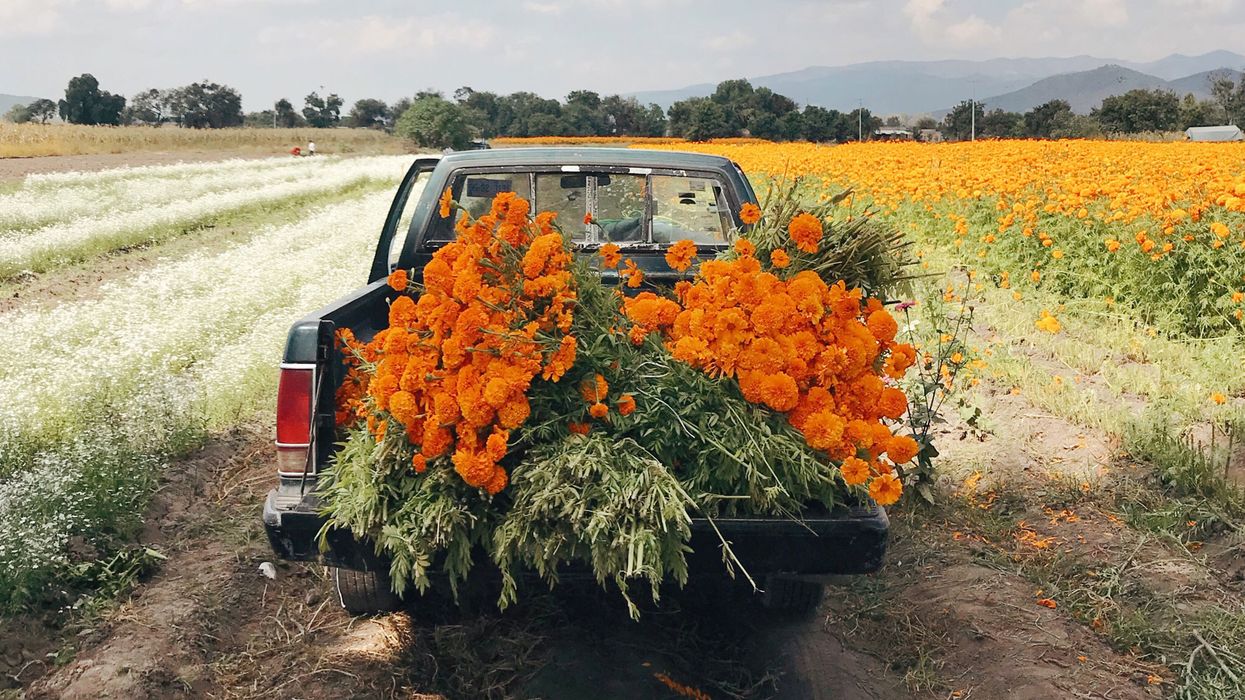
(1085, 90)
(7, 101)
(914, 87)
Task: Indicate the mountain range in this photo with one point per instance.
(1017, 84)
(7, 101)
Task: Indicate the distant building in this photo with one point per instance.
(930, 136)
(892, 133)
(1214, 133)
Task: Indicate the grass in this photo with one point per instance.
(33, 140)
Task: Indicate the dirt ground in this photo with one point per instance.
(943, 619)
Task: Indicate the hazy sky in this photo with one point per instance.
(389, 48)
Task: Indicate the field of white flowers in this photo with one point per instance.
(100, 391)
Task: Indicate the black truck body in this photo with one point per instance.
(850, 541)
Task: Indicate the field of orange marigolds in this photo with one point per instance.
(1157, 228)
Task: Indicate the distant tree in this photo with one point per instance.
(85, 103)
(892, 120)
(860, 123)
(736, 98)
(926, 123)
(368, 114)
(958, 124)
(397, 109)
(18, 114)
(1041, 121)
(1229, 96)
(433, 122)
(322, 112)
(147, 107)
(42, 110)
(699, 119)
(262, 119)
(1076, 126)
(625, 116)
(791, 126)
(287, 118)
(582, 116)
(820, 124)
(1139, 110)
(528, 114)
(1195, 112)
(205, 105)
(1002, 124)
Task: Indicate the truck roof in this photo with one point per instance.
(590, 156)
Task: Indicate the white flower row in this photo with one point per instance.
(40, 203)
(83, 237)
(194, 339)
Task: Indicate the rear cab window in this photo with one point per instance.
(642, 209)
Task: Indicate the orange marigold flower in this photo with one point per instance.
(1112, 245)
(446, 201)
(824, 430)
(901, 449)
(1218, 398)
(749, 213)
(398, 280)
(745, 248)
(892, 403)
(634, 275)
(579, 428)
(610, 257)
(1237, 297)
(419, 463)
(587, 218)
(885, 489)
(854, 471)
(680, 255)
(779, 258)
(594, 389)
(882, 325)
(626, 405)
(598, 410)
(805, 230)
(497, 481)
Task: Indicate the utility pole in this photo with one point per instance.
(973, 113)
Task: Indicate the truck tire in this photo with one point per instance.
(791, 595)
(364, 592)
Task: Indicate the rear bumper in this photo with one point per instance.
(852, 542)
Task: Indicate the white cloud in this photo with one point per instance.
(30, 16)
(381, 34)
(729, 42)
(543, 8)
(127, 5)
(972, 31)
(1104, 13)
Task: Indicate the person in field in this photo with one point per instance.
(311, 148)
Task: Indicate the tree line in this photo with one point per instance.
(735, 108)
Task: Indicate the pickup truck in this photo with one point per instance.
(640, 200)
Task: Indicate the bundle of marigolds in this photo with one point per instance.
(518, 405)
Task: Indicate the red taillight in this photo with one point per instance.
(294, 402)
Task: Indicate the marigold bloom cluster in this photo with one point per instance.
(820, 354)
(453, 367)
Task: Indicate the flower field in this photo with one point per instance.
(100, 390)
(1155, 228)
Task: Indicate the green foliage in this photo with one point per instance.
(287, 118)
(1139, 110)
(322, 112)
(205, 105)
(368, 114)
(596, 499)
(432, 122)
(958, 124)
(85, 103)
(18, 114)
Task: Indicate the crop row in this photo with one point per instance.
(99, 392)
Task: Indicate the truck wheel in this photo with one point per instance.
(789, 594)
(364, 592)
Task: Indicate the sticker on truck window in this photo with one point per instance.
(479, 187)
